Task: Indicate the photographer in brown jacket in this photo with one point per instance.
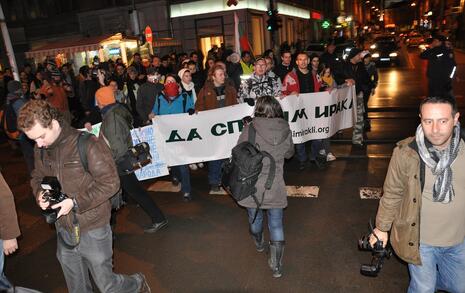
(84, 235)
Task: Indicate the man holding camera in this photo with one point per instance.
(424, 200)
(84, 214)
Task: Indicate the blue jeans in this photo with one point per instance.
(4, 283)
(214, 172)
(275, 223)
(315, 146)
(443, 268)
(183, 175)
(94, 253)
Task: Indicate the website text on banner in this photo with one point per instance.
(320, 115)
(210, 135)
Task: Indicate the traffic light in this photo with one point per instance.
(325, 24)
(274, 21)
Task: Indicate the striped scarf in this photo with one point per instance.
(439, 161)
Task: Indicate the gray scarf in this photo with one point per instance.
(439, 162)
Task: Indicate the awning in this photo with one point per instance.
(71, 46)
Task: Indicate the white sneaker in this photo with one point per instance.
(200, 165)
(330, 157)
(193, 167)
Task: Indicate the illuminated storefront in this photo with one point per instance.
(81, 51)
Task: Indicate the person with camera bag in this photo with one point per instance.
(116, 131)
(272, 135)
(423, 204)
(84, 236)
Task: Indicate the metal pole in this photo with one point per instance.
(8, 46)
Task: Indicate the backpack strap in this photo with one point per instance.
(82, 143)
(252, 134)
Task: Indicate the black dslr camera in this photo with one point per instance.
(53, 195)
(378, 252)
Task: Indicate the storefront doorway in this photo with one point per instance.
(207, 43)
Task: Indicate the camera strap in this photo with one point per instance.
(70, 239)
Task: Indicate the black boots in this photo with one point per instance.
(259, 241)
(276, 257)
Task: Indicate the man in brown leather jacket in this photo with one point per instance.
(9, 229)
(423, 204)
(84, 216)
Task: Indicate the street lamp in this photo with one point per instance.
(413, 4)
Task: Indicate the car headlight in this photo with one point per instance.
(394, 54)
(373, 46)
(375, 55)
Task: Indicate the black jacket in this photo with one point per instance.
(441, 62)
(356, 72)
(146, 95)
(281, 70)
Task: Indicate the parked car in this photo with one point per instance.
(414, 40)
(385, 50)
(315, 48)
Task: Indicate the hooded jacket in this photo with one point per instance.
(274, 137)
(116, 129)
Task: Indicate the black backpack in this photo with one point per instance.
(240, 174)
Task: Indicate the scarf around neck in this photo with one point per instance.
(440, 161)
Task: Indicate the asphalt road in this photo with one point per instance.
(206, 246)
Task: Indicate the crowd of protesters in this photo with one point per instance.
(123, 97)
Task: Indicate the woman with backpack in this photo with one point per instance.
(272, 135)
(173, 101)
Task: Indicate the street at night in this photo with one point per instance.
(232, 146)
(206, 246)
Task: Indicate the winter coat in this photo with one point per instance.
(116, 129)
(146, 95)
(234, 71)
(372, 74)
(275, 137)
(281, 70)
(207, 99)
(400, 206)
(258, 86)
(9, 228)
(291, 83)
(91, 190)
(356, 72)
(175, 106)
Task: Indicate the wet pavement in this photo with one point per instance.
(206, 246)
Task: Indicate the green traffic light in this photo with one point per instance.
(325, 24)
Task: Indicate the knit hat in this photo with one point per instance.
(105, 96)
(181, 72)
(354, 53)
(13, 86)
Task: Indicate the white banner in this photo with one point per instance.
(320, 115)
(158, 167)
(210, 135)
(205, 136)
